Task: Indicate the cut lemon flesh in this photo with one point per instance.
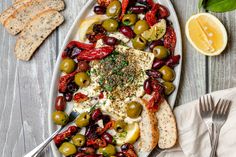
(131, 134)
(87, 23)
(206, 33)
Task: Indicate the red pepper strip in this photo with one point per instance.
(64, 80)
(94, 54)
(124, 6)
(80, 97)
(58, 139)
(101, 95)
(80, 45)
(107, 126)
(170, 39)
(151, 15)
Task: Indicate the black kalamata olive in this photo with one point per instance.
(106, 119)
(147, 86)
(97, 28)
(99, 10)
(127, 31)
(157, 64)
(126, 146)
(96, 114)
(173, 61)
(68, 96)
(155, 43)
(91, 131)
(120, 154)
(142, 1)
(83, 66)
(138, 9)
(87, 150)
(163, 12)
(107, 137)
(91, 38)
(153, 73)
(75, 52)
(72, 87)
(60, 104)
(110, 41)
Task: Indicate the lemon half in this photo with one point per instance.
(88, 22)
(206, 33)
(131, 134)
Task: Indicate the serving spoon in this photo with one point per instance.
(36, 151)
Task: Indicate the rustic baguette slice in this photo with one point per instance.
(36, 32)
(9, 11)
(148, 129)
(167, 126)
(16, 23)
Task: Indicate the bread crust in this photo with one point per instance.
(36, 32)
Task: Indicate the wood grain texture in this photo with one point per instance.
(25, 85)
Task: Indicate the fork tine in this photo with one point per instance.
(227, 109)
(211, 103)
(217, 106)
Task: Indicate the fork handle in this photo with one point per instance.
(36, 151)
(215, 141)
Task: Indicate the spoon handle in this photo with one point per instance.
(36, 151)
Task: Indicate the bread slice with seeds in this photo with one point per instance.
(36, 32)
(16, 22)
(9, 11)
(166, 126)
(148, 129)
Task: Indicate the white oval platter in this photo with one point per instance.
(72, 35)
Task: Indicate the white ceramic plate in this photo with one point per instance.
(86, 10)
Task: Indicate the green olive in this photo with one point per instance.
(109, 150)
(67, 65)
(113, 9)
(129, 19)
(82, 79)
(160, 52)
(79, 140)
(60, 118)
(169, 87)
(134, 109)
(110, 25)
(67, 149)
(120, 126)
(168, 74)
(82, 120)
(139, 43)
(140, 27)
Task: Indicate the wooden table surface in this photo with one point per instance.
(24, 86)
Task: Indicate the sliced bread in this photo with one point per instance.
(148, 129)
(16, 22)
(166, 126)
(9, 11)
(35, 32)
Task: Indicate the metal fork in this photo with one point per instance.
(36, 151)
(206, 107)
(220, 115)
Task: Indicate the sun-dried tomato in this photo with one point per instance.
(124, 7)
(151, 17)
(107, 126)
(80, 97)
(94, 54)
(58, 139)
(154, 102)
(64, 80)
(101, 95)
(170, 39)
(130, 153)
